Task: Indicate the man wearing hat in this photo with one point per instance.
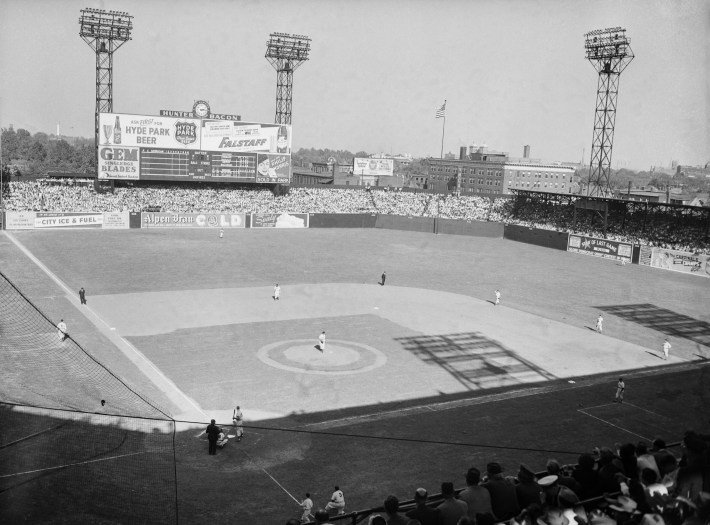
(451, 508)
(424, 513)
(527, 491)
(503, 498)
(556, 495)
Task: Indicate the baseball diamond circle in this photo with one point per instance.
(338, 358)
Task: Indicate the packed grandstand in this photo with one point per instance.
(630, 484)
(656, 227)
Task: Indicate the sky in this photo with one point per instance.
(512, 72)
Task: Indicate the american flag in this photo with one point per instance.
(441, 111)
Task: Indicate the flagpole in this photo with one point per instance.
(443, 130)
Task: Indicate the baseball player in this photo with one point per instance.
(277, 292)
(600, 320)
(620, 387)
(221, 233)
(62, 330)
(666, 348)
(321, 341)
(237, 418)
(497, 297)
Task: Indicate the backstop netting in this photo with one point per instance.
(66, 457)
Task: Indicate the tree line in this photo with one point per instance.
(27, 155)
(31, 156)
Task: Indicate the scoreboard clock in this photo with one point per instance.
(201, 109)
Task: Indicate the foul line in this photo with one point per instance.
(137, 355)
(273, 479)
(68, 465)
(615, 426)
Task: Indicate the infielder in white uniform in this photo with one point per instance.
(497, 297)
(600, 320)
(666, 349)
(321, 341)
(237, 418)
(277, 292)
(62, 330)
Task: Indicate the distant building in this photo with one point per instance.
(698, 172)
(489, 172)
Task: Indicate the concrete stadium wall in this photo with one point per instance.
(472, 228)
(414, 224)
(341, 220)
(547, 238)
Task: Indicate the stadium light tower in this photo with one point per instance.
(105, 32)
(609, 52)
(286, 52)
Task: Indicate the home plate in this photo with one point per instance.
(112, 328)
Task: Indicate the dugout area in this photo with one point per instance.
(423, 368)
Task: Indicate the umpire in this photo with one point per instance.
(212, 435)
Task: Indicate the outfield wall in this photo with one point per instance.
(342, 220)
(546, 238)
(399, 222)
(473, 228)
(674, 260)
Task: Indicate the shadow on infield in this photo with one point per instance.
(474, 360)
(666, 321)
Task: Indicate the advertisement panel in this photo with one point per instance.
(618, 251)
(45, 219)
(273, 168)
(192, 220)
(118, 163)
(116, 220)
(685, 262)
(279, 220)
(367, 166)
(19, 220)
(133, 147)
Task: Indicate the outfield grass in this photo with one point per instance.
(239, 483)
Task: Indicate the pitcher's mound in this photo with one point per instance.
(339, 357)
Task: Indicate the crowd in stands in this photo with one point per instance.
(640, 227)
(633, 484)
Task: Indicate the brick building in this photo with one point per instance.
(490, 172)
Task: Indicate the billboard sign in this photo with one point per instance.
(618, 251)
(118, 162)
(367, 166)
(143, 147)
(68, 220)
(279, 220)
(116, 220)
(192, 220)
(677, 261)
(19, 220)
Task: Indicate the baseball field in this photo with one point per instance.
(420, 378)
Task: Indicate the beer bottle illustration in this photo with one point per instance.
(117, 132)
(282, 140)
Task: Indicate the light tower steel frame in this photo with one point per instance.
(610, 52)
(286, 53)
(105, 32)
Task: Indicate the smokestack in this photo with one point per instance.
(462, 153)
(526, 152)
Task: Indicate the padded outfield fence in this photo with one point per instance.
(77, 444)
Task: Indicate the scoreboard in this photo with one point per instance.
(137, 147)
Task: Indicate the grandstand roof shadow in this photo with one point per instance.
(474, 360)
(665, 321)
